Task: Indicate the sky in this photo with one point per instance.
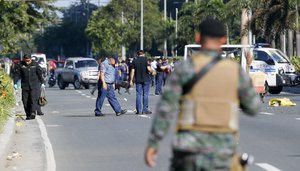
(67, 3)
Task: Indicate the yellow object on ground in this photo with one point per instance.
(281, 102)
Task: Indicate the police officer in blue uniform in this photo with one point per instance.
(106, 88)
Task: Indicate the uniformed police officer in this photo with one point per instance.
(207, 124)
(32, 80)
(106, 88)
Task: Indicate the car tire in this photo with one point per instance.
(87, 86)
(77, 84)
(61, 83)
(275, 90)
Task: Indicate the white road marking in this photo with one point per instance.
(83, 94)
(94, 98)
(53, 126)
(298, 119)
(51, 165)
(130, 111)
(145, 116)
(55, 112)
(266, 113)
(125, 99)
(79, 91)
(88, 96)
(267, 167)
(107, 104)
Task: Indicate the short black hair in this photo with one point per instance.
(211, 27)
(140, 52)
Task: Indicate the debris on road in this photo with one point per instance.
(281, 102)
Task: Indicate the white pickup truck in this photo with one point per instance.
(78, 71)
(275, 64)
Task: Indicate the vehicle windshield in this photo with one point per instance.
(191, 51)
(279, 56)
(227, 52)
(86, 63)
(40, 60)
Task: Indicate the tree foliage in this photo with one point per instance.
(19, 19)
(108, 33)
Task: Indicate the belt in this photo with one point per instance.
(109, 83)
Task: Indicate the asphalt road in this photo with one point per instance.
(81, 141)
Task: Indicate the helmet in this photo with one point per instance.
(42, 101)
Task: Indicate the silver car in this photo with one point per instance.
(78, 71)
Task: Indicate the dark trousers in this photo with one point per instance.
(158, 83)
(111, 97)
(30, 101)
(142, 92)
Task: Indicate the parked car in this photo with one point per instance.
(79, 71)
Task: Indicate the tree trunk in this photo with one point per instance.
(298, 42)
(282, 42)
(244, 21)
(273, 43)
(290, 43)
(244, 36)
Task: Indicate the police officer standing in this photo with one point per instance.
(106, 87)
(32, 80)
(207, 123)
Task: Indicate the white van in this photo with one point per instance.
(41, 60)
(280, 71)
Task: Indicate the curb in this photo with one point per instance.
(6, 140)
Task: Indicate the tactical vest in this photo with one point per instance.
(212, 104)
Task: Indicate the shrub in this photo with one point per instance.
(296, 62)
(7, 98)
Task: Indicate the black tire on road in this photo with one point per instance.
(61, 83)
(87, 86)
(275, 90)
(77, 84)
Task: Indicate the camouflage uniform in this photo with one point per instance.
(198, 150)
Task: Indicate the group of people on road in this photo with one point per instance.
(207, 101)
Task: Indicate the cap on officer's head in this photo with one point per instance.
(213, 28)
(26, 57)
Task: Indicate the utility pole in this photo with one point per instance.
(87, 20)
(297, 32)
(165, 41)
(176, 30)
(123, 46)
(142, 25)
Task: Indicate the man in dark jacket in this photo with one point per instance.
(32, 80)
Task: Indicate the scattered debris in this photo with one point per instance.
(15, 155)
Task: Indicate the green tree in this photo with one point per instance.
(19, 19)
(108, 34)
(68, 39)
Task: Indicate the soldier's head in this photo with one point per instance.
(27, 59)
(211, 34)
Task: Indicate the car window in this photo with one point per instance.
(86, 63)
(279, 56)
(69, 63)
(261, 56)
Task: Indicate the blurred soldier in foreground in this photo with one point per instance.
(207, 125)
